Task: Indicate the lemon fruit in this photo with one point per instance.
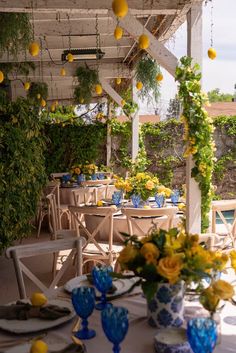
(143, 41)
(120, 8)
(63, 71)
(27, 86)
(37, 298)
(159, 77)
(99, 203)
(34, 49)
(56, 103)
(1, 76)
(211, 53)
(53, 108)
(81, 100)
(139, 85)
(43, 103)
(70, 58)
(118, 81)
(98, 89)
(118, 33)
(39, 346)
(38, 96)
(123, 102)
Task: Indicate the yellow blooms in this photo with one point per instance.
(77, 170)
(149, 248)
(190, 150)
(149, 185)
(128, 254)
(223, 289)
(233, 259)
(209, 299)
(164, 191)
(170, 268)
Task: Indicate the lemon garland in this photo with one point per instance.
(198, 131)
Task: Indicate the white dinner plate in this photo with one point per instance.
(122, 284)
(36, 324)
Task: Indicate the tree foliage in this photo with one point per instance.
(216, 96)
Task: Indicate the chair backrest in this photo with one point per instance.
(58, 175)
(218, 207)
(105, 217)
(49, 247)
(84, 196)
(53, 213)
(162, 218)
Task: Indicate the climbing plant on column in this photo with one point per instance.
(198, 131)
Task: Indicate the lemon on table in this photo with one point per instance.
(39, 346)
(38, 299)
(99, 203)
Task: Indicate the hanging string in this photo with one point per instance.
(41, 58)
(51, 86)
(69, 22)
(32, 8)
(97, 45)
(212, 24)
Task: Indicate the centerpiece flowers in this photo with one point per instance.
(85, 169)
(167, 261)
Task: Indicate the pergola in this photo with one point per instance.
(58, 22)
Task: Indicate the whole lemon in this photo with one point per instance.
(123, 102)
(63, 72)
(38, 299)
(56, 103)
(27, 86)
(39, 346)
(143, 41)
(118, 33)
(120, 8)
(139, 85)
(38, 96)
(43, 103)
(118, 81)
(1, 76)
(212, 53)
(81, 100)
(70, 58)
(34, 49)
(53, 108)
(159, 77)
(98, 89)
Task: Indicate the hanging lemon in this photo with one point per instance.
(212, 53)
(120, 8)
(38, 299)
(81, 100)
(1, 76)
(38, 96)
(70, 58)
(139, 85)
(63, 71)
(123, 102)
(56, 103)
(98, 89)
(34, 49)
(53, 107)
(143, 41)
(27, 86)
(159, 77)
(118, 81)
(43, 103)
(118, 33)
(39, 346)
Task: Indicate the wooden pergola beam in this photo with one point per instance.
(110, 90)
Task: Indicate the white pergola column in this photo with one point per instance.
(135, 124)
(194, 49)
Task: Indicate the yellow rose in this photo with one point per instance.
(150, 248)
(168, 192)
(150, 258)
(233, 259)
(149, 185)
(140, 176)
(223, 289)
(170, 268)
(128, 254)
(127, 187)
(209, 299)
(220, 260)
(77, 170)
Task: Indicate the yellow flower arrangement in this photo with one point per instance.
(87, 169)
(173, 256)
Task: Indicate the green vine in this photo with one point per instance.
(198, 132)
(87, 79)
(16, 33)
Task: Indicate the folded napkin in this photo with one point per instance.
(73, 348)
(25, 311)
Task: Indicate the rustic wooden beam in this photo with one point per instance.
(110, 91)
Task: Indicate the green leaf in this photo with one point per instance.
(149, 290)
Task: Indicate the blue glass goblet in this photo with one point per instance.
(202, 334)
(66, 178)
(135, 200)
(160, 199)
(115, 324)
(83, 300)
(116, 197)
(94, 176)
(101, 176)
(175, 197)
(103, 282)
(80, 177)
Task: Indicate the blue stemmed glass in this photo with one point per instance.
(101, 176)
(160, 199)
(103, 282)
(94, 176)
(66, 178)
(135, 200)
(175, 197)
(83, 300)
(115, 324)
(202, 334)
(116, 197)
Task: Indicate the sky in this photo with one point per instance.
(221, 72)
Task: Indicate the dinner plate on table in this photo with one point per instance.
(122, 285)
(37, 324)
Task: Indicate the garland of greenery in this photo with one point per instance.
(198, 132)
(16, 32)
(87, 80)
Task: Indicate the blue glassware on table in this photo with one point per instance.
(103, 282)
(66, 178)
(136, 199)
(117, 197)
(101, 176)
(83, 300)
(202, 334)
(115, 324)
(175, 197)
(160, 199)
(80, 177)
(94, 176)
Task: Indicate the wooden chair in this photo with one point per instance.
(162, 218)
(17, 253)
(229, 230)
(85, 196)
(94, 250)
(58, 175)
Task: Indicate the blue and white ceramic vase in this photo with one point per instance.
(166, 309)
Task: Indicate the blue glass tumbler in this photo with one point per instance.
(175, 197)
(116, 197)
(103, 282)
(83, 300)
(136, 199)
(115, 324)
(160, 199)
(202, 334)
